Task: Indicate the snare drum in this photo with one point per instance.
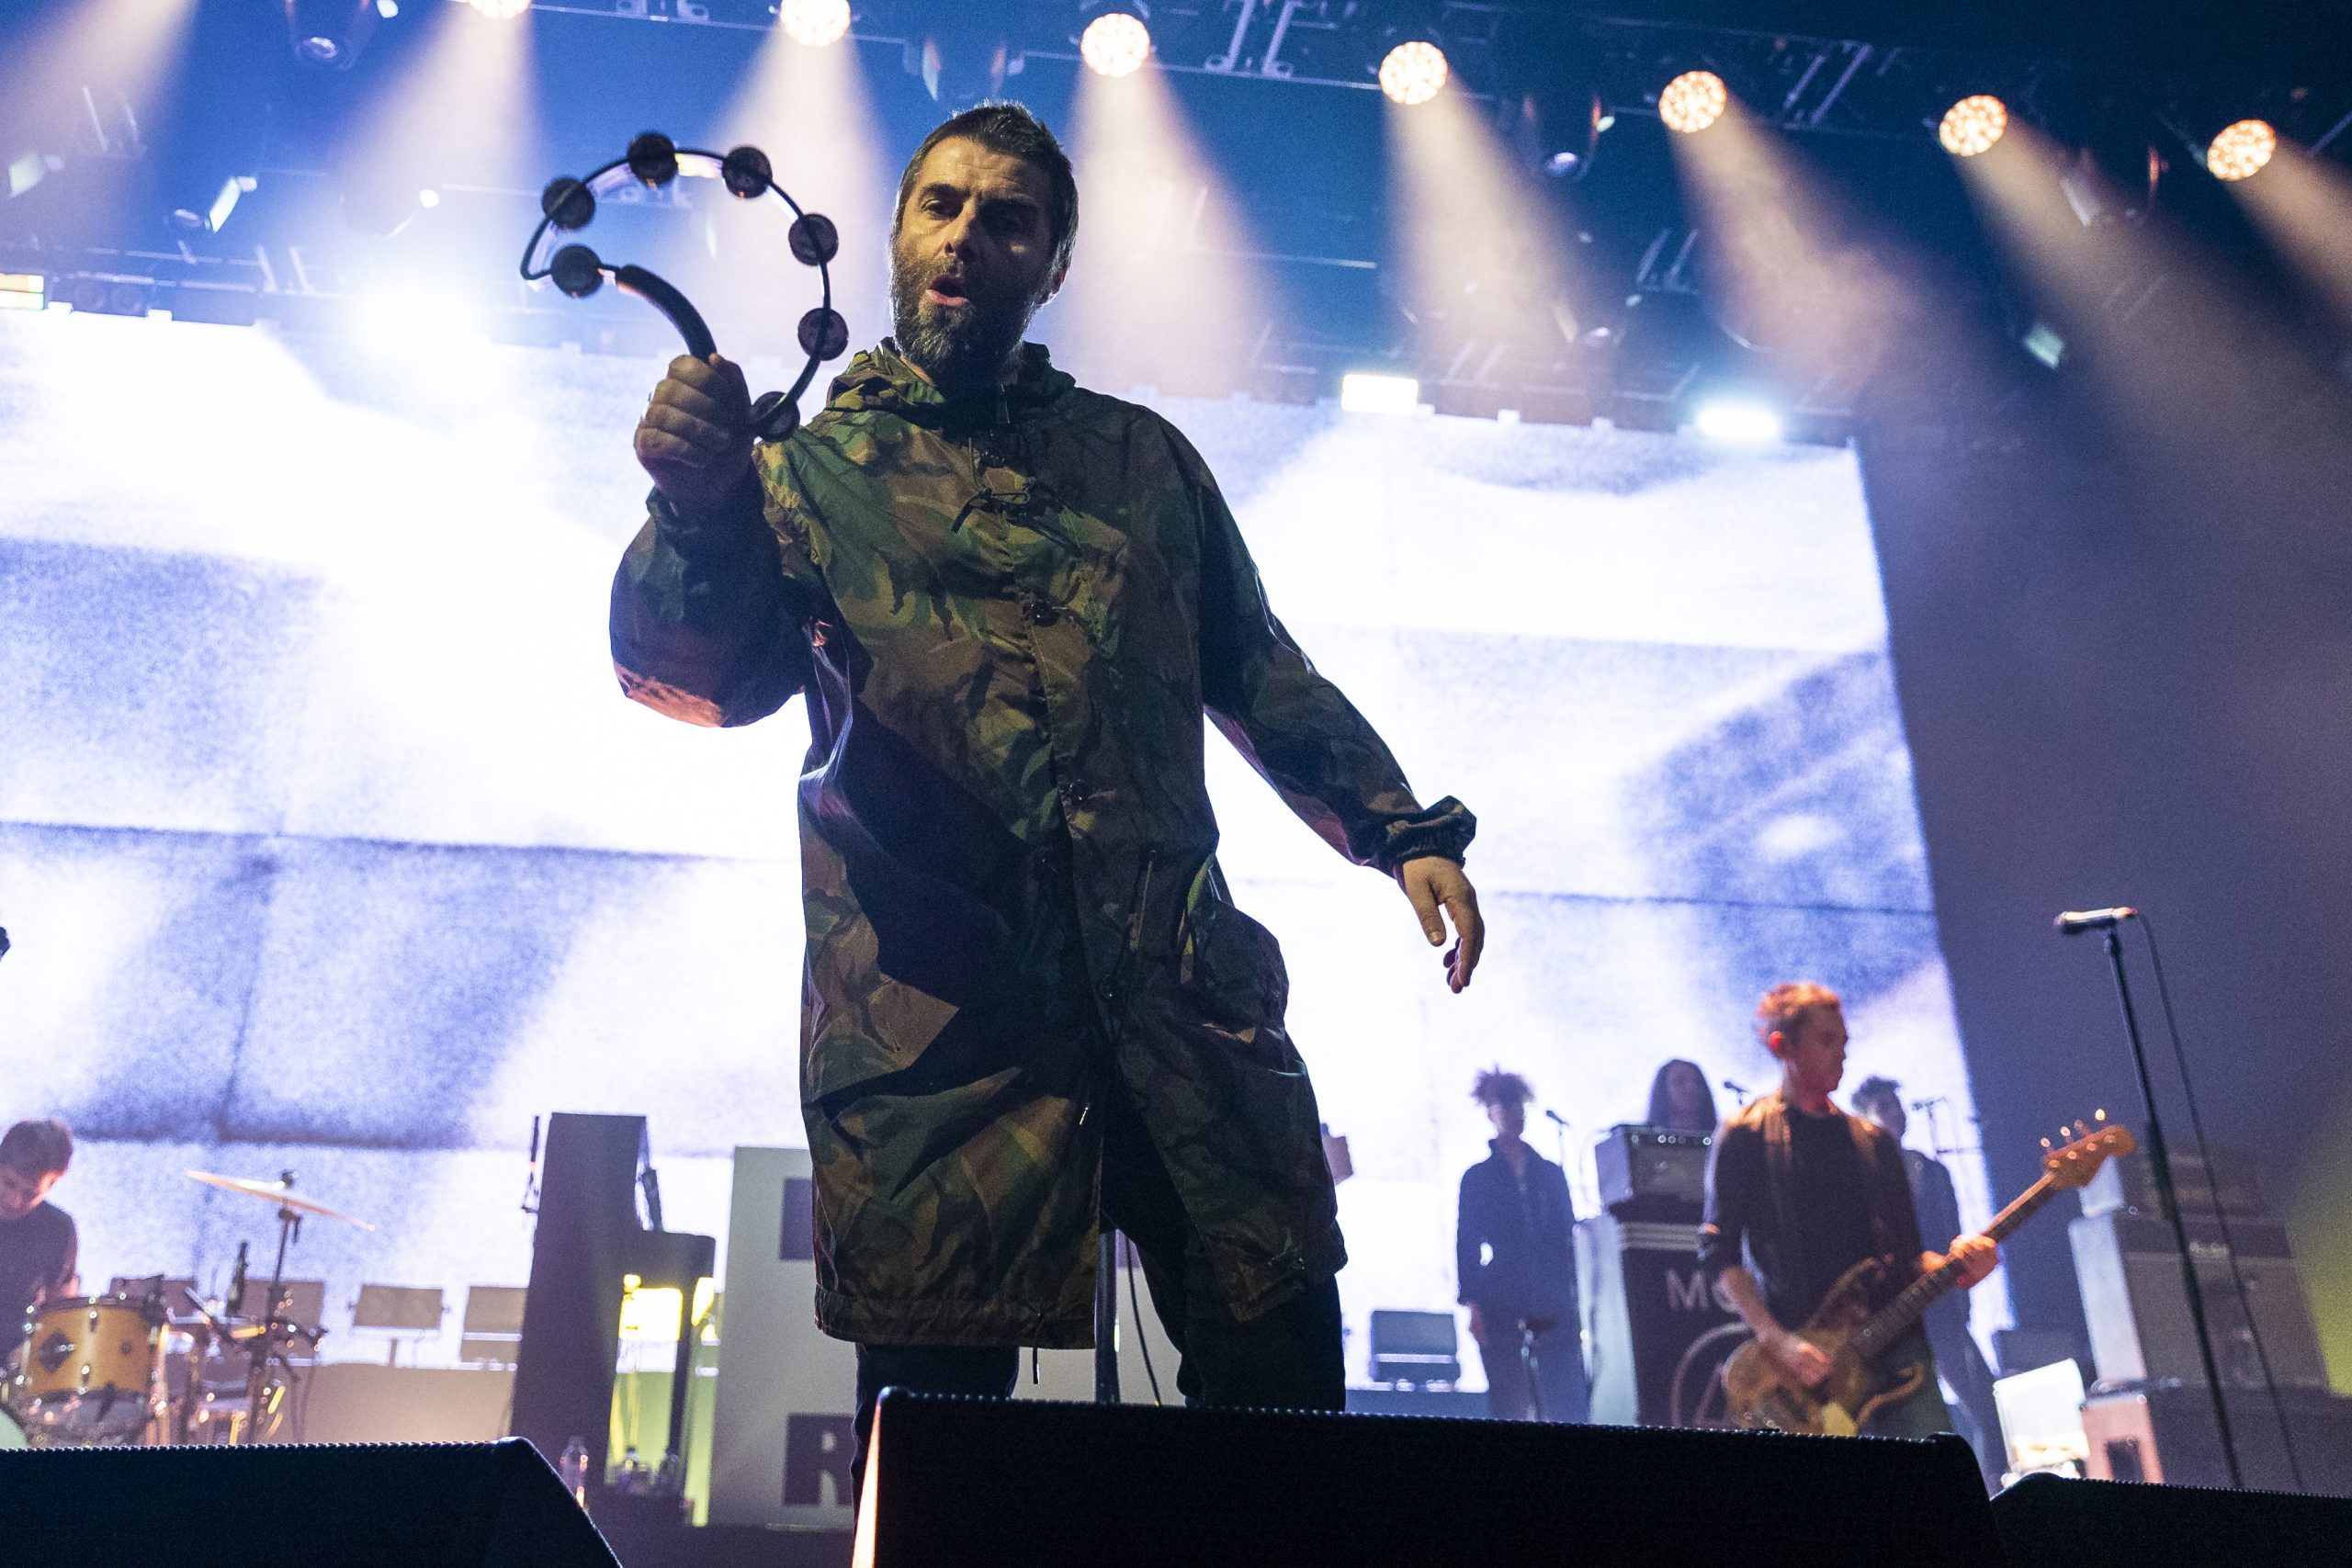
(87, 1371)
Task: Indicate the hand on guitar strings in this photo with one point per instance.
(1976, 1255)
(1800, 1358)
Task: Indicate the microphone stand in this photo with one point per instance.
(1106, 1317)
(2160, 1169)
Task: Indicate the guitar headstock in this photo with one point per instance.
(2074, 1160)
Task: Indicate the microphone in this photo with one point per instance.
(1555, 1116)
(2074, 922)
(1740, 1089)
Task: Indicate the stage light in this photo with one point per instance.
(500, 10)
(2042, 341)
(1694, 101)
(212, 216)
(331, 33)
(814, 22)
(1116, 44)
(2241, 151)
(23, 291)
(1364, 392)
(1413, 73)
(1973, 125)
(388, 9)
(1736, 420)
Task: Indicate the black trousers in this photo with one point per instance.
(1289, 1358)
(1559, 1380)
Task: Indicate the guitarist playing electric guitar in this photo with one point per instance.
(1798, 1193)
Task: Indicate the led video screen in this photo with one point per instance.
(329, 844)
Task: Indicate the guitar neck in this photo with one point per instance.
(1896, 1318)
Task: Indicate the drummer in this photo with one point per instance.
(38, 1247)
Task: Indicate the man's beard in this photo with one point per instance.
(961, 348)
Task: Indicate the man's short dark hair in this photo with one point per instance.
(1874, 1090)
(1011, 130)
(1496, 1087)
(38, 1148)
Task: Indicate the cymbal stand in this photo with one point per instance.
(270, 1346)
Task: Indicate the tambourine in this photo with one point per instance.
(569, 204)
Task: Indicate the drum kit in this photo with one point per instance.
(139, 1366)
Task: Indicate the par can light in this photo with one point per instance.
(1694, 101)
(2241, 151)
(1973, 125)
(1413, 73)
(1114, 44)
(816, 23)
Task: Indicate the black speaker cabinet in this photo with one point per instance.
(955, 1481)
(360, 1506)
(2047, 1521)
(2302, 1442)
(2128, 1266)
(1656, 1336)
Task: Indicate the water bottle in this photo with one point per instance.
(573, 1469)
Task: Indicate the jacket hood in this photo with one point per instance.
(880, 378)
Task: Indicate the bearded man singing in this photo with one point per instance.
(1030, 1007)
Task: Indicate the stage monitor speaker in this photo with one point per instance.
(973, 1480)
(2050, 1521)
(365, 1506)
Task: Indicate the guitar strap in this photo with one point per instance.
(1781, 1173)
(1866, 1157)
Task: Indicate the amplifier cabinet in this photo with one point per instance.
(2165, 1433)
(2127, 1267)
(1655, 1333)
(1661, 1171)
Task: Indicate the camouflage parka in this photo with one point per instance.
(1009, 614)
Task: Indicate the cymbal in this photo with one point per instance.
(277, 1192)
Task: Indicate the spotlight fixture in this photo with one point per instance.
(814, 22)
(1116, 44)
(2242, 150)
(1363, 391)
(1413, 73)
(329, 32)
(1973, 125)
(1694, 101)
(1736, 420)
(500, 10)
(208, 213)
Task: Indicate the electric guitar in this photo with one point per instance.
(1759, 1392)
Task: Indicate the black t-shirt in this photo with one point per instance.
(37, 1252)
(1847, 1200)
(1834, 1198)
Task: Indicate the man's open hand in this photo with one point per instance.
(1434, 882)
(695, 437)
